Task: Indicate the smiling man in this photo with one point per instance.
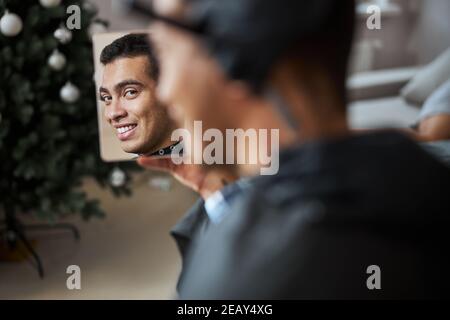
(128, 88)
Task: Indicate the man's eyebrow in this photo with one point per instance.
(124, 83)
(119, 86)
(102, 89)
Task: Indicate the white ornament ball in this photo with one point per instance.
(57, 60)
(117, 177)
(50, 3)
(69, 93)
(63, 35)
(10, 24)
(89, 6)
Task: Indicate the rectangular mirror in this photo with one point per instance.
(131, 120)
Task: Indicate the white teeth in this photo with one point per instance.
(126, 128)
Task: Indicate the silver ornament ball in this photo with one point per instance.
(117, 177)
(57, 60)
(50, 3)
(69, 93)
(63, 35)
(10, 24)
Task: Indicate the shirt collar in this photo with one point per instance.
(218, 205)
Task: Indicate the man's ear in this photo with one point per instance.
(175, 9)
(237, 91)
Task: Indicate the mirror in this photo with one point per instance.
(131, 120)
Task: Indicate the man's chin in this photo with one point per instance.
(131, 149)
(136, 149)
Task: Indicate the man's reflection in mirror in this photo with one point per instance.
(130, 77)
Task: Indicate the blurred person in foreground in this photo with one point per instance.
(341, 204)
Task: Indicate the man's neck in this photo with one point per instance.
(319, 118)
(263, 117)
(215, 179)
(314, 102)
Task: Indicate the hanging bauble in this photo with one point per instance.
(10, 24)
(89, 6)
(57, 60)
(69, 93)
(117, 177)
(50, 3)
(63, 35)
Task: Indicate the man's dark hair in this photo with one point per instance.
(249, 37)
(130, 46)
(329, 47)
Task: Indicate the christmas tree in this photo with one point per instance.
(48, 117)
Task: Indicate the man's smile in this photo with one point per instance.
(125, 131)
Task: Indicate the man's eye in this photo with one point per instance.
(131, 93)
(106, 99)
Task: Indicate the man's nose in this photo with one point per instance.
(115, 111)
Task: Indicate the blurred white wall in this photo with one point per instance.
(118, 22)
(433, 29)
(415, 35)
